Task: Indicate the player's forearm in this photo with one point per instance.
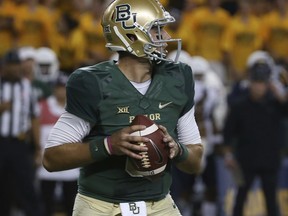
(67, 156)
(193, 162)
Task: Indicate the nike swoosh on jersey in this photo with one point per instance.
(161, 106)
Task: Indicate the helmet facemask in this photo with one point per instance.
(158, 45)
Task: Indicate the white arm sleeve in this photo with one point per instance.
(188, 132)
(68, 129)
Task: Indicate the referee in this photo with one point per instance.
(18, 129)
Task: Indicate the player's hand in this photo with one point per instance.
(123, 143)
(174, 148)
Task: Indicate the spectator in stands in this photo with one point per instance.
(54, 13)
(68, 43)
(275, 26)
(261, 7)
(73, 8)
(32, 24)
(208, 25)
(90, 26)
(8, 11)
(241, 38)
(184, 22)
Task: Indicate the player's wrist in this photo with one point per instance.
(182, 153)
(98, 150)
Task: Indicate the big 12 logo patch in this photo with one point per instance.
(124, 15)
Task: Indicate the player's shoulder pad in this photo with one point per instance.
(89, 73)
(178, 70)
(85, 90)
(102, 67)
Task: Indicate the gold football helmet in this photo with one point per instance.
(127, 27)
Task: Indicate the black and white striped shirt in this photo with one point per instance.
(17, 120)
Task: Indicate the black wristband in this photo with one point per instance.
(183, 153)
(98, 150)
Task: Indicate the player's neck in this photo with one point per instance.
(135, 69)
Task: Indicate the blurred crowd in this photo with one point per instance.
(238, 51)
(224, 32)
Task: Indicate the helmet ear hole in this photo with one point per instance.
(132, 37)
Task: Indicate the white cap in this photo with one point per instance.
(258, 57)
(26, 53)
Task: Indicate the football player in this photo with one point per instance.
(102, 100)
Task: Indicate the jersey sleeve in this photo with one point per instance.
(188, 88)
(83, 95)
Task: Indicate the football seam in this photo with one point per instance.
(149, 130)
(145, 162)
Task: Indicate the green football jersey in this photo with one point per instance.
(102, 95)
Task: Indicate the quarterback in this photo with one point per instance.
(102, 100)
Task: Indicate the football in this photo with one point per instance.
(155, 159)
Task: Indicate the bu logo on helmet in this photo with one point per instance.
(123, 14)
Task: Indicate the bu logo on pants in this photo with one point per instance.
(133, 208)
